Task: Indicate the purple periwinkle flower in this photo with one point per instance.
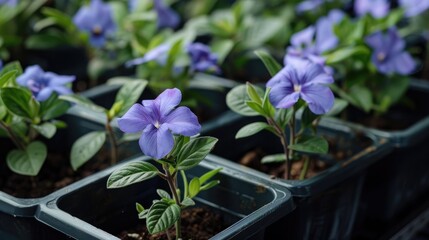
(158, 54)
(10, 3)
(159, 119)
(302, 79)
(376, 8)
(167, 17)
(312, 42)
(97, 20)
(389, 55)
(202, 59)
(42, 83)
(414, 7)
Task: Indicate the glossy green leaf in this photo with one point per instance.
(129, 93)
(283, 116)
(261, 30)
(208, 175)
(209, 185)
(236, 100)
(256, 107)
(194, 152)
(313, 144)
(162, 216)
(29, 161)
(131, 173)
(163, 193)
(3, 112)
(179, 141)
(53, 107)
(269, 109)
(308, 117)
(253, 94)
(17, 101)
(270, 63)
(194, 187)
(7, 77)
(12, 66)
(46, 129)
(86, 147)
(362, 97)
(187, 202)
(82, 101)
(251, 129)
(274, 158)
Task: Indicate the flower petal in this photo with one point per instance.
(168, 100)
(182, 121)
(282, 95)
(156, 143)
(135, 119)
(285, 76)
(57, 80)
(404, 63)
(320, 98)
(44, 94)
(31, 72)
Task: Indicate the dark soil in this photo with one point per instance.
(56, 173)
(197, 223)
(337, 153)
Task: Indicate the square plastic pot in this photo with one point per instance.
(400, 180)
(326, 204)
(88, 210)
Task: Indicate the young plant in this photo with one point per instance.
(300, 88)
(166, 137)
(89, 144)
(29, 106)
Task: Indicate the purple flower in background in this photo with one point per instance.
(310, 5)
(311, 42)
(388, 53)
(158, 54)
(202, 59)
(10, 3)
(97, 20)
(167, 17)
(377, 8)
(414, 7)
(42, 84)
(302, 79)
(159, 119)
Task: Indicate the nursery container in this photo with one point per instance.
(88, 210)
(400, 180)
(326, 204)
(17, 213)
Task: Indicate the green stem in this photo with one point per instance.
(113, 145)
(185, 183)
(281, 134)
(291, 141)
(172, 185)
(12, 136)
(305, 168)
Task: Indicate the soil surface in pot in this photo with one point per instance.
(197, 223)
(56, 173)
(337, 153)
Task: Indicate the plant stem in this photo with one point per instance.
(281, 134)
(172, 185)
(113, 145)
(304, 168)
(12, 136)
(291, 141)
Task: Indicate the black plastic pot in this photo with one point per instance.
(400, 180)
(88, 210)
(326, 203)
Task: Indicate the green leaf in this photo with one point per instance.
(237, 99)
(46, 129)
(261, 30)
(131, 173)
(3, 111)
(308, 117)
(222, 47)
(53, 107)
(208, 175)
(7, 77)
(86, 147)
(82, 101)
(270, 63)
(139, 208)
(187, 202)
(283, 116)
(346, 53)
(269, 109)
(17, 101)
(274, 158)
(256, 107)
(129, 93)
(253, 95)
(179, 141)
(393, 89)
(339, 106)
(28, 162)
(251, 129)
(362, 97)
(15, 65)
(312, 144)
(194, 187)
(163, 194)
(162, 216)
(194, 152)
(209, 185)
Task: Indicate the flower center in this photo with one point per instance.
(37, 85)
(97, 30)
(297, 88)
(157, 124)
(381, 56)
